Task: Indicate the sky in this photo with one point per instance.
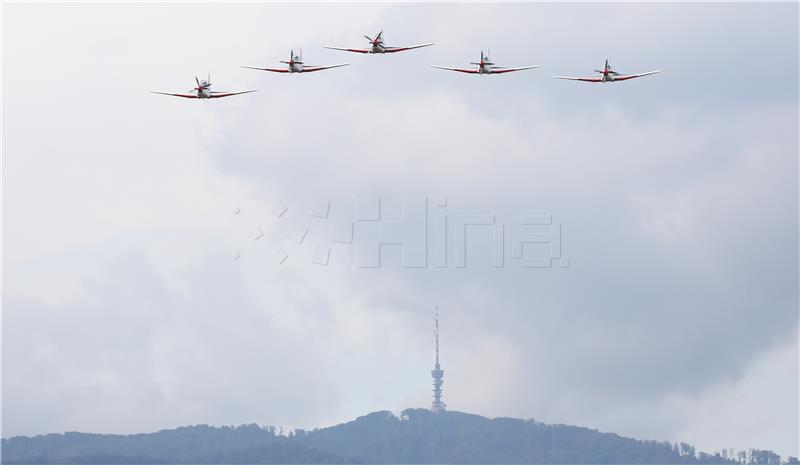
(664, 304)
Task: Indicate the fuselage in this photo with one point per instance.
(295, 66)
(377, 47)
(606, 75)
(204, 90)
(295, 63)
(610, 76)
(485, 65)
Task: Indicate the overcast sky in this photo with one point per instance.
(673, 317)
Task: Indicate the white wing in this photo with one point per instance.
(585, 79)
(311, 69)
(355, 50)
(402, 49)
(460, 70)
(176, 95)
(631, 76)
(228, 94)
(509, 70)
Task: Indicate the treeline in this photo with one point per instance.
(746, 457)
(416, 437)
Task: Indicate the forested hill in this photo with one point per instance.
(416, 437)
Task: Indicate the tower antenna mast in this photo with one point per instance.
(437, 373)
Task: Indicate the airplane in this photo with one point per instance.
(608, 75)
(295, 65)
(203, 91)
(377, 46)
(485, 66)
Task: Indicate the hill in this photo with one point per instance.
(416, 437)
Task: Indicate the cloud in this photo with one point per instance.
(677, 197)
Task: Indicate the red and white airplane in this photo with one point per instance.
(608, 75)
(296, 65)
(377, 46)
(485, 66)
(203, 91)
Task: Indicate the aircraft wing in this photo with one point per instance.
(274, 70)
(631, 76)
(311, 69)
(460, 70)
(509, 70)
(176, 95)
(402, 49)
(228, 94)
(355, 50)
(585, 79)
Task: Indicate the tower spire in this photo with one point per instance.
(436, 333)
(437, 373)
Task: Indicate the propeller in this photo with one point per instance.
(606, 69)
(291, 58)
(202, 86)
(376, 40)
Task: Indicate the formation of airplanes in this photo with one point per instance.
(378, 46)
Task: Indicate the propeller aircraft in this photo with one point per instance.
(376, 45)
(485, 66)
(296, 65)
(607, 75)
(203, 91)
